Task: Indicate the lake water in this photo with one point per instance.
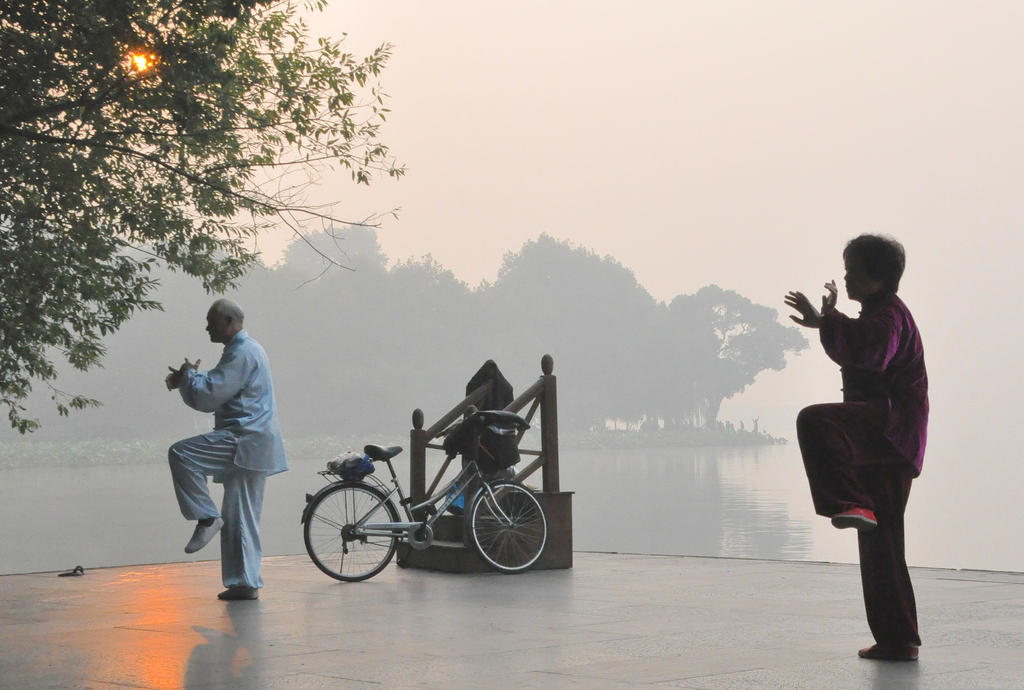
(748, 502)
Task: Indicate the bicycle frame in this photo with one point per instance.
(408, 529)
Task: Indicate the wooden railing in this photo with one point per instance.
(541, 396)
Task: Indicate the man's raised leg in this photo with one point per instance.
(191, 461)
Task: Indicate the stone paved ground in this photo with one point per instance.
(613, 621)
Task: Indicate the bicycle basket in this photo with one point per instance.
(497, 448)
(351, 466)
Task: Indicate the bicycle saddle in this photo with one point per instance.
(378, 453)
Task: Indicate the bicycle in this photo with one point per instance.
(351, 527)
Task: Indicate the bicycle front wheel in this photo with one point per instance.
(332, 543)
(509, 528)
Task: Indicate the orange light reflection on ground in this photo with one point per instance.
(155, 642)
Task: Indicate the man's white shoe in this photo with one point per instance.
(203, 534)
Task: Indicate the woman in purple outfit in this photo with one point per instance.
(862, 454)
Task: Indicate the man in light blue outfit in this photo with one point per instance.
(242, 450)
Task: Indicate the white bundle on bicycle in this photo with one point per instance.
(351, 466)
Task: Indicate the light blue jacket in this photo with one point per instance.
(240, 393)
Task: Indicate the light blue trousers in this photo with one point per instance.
(212, 454)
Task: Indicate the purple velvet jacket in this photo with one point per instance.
(881, 358)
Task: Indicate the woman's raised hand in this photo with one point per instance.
(828, 300)
(809, 316)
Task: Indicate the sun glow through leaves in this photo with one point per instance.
(142, 62)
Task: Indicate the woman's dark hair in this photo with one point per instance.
(883, 258)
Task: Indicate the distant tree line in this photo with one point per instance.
(354, 352)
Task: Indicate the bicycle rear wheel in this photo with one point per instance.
(331, 542)
(509, 528)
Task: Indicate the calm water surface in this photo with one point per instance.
(734, 502)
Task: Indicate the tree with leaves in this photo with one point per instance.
(728, 340)
(587, 311)
(134, 132)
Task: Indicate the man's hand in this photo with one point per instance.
(173, 379)
(809, 316)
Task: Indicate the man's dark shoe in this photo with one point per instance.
(203, 534)
(239, 594)
(888, 653)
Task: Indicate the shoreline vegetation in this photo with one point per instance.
(30, 453)
(688, 437)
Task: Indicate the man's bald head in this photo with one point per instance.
(225, 307)
(224, 319)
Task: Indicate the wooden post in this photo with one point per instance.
(549, 425)
(417, 458)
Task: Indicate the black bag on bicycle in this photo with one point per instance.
(488, 437)
(496, 439)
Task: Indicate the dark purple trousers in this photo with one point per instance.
(850, 463)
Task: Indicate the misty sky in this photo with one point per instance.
(739, 143)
